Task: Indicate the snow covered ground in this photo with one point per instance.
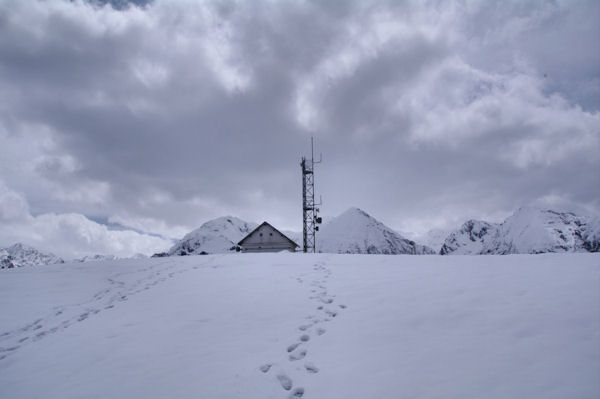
(303, 325)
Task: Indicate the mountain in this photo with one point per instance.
(19, 255)
(527, 231)
(356, 232)
(99, 257)
(5, 259)
(216, 236)
(95, 258)
(470, 238)
(532, 230)
(591, 235)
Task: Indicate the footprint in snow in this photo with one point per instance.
(10, 349)
(321, 331)
(297, 393)
(343, 306)
(285, 381)
(293, 347)
(304, 337)
(265, 367)
(298, 355)
(311, 368)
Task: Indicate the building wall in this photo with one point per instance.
(266, 239)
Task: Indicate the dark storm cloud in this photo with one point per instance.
(170, 113)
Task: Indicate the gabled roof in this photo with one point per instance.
(241, 243)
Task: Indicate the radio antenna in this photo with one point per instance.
(310, 218)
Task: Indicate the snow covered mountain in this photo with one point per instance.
(470, 238)
(95, 258)
(356, 232)
(528, 231)
(19, 255)
(216, 236)
(590, 234)
(99, 257)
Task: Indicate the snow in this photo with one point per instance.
(220, 326)
(356, 232)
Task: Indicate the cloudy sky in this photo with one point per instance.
(124, 126)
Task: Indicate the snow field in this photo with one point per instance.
(303, 325)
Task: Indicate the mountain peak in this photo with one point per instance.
(20, 254)
(355, 231)
(215, 236)
(355, 212)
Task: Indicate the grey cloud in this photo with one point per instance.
(176, 112)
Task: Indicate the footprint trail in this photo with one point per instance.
(298, 351)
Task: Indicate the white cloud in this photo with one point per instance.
(162, 117)
(68, 235)
(13, 206)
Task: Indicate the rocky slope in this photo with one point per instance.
(356, 232)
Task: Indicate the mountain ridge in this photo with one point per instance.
(19, 255)
(529, 230)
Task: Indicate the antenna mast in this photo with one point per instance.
(310, 220)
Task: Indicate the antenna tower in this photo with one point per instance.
(310, 220)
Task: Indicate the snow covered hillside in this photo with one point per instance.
(470, 238)
(528, 231)
(216, 236)
(19, 255)
(356, 232)
(303, 325)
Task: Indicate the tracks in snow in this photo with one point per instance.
(327, 309)
(120, 287)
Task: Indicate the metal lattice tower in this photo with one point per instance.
(310, 220)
